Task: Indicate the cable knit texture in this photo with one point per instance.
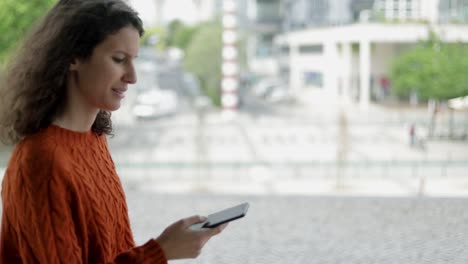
(63, 203)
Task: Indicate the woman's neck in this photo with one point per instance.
(76, 119)
(73, 125)
(77, 114)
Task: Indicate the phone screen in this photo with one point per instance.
(223, 216)
(226, 215)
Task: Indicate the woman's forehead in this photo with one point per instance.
(125, 40)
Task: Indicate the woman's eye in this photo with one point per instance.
(118, 60)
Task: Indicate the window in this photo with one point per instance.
(284, 50)
(264, 46)
(311, 49)
(313, 78)
(268, 11)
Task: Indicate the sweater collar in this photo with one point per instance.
(70, 136)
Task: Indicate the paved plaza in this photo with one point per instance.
(295, 150)
(315, 229)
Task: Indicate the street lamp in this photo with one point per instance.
(230, 66)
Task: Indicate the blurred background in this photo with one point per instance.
(344, 123)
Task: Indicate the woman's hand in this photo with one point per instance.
(178, 241)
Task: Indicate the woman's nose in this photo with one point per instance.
(130, 76)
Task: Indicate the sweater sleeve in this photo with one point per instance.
(38, 223)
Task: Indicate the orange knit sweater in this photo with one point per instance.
(63, 203)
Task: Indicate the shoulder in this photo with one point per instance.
(103, 139)
(37, 148)
(102, 144)
(35, 160)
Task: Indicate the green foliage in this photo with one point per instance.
(203, 58)
(379, 16)
(154, 36)
(16, 18)
(202, 45)
(435, 70)
(179, 35)
(242, 50)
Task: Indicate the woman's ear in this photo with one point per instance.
(74, 64)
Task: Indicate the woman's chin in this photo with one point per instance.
(112, 108)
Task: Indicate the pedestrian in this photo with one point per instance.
(62, 199)
(412, 135)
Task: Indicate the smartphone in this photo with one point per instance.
(223, 216)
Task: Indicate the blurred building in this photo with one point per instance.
(453, 11)
(331, 50)
(193, 11)
(299, 14)
(433, 11)
(264, 23)
(351, 62)
(407, 10)
(270, 18)
(359, 9)
(325, 48)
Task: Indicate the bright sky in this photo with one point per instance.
(146, 9)
(181, 9)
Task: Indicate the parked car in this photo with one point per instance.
(148, 64)
(192, 88)
(155, 103)
(272, 90)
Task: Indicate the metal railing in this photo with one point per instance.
(242, 171)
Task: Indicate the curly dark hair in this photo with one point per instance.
(33, 89)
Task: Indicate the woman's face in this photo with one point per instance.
(101, 81)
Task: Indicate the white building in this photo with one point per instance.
(328, 63)
(264, 21)
(453, 11)
(408, 10)
(161, 12)
(189, 12)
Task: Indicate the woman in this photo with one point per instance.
(62, 200)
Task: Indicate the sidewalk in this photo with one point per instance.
(361, 186)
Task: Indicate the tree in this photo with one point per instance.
(203, 58)
(154, 37)
(16, 18)
(434, 69)
(179, 35)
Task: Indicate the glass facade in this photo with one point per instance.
(299, 14)
(453, 11)
(402, 10)
(268, 11)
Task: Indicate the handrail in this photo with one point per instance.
(397, 163)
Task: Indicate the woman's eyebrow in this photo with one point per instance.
(126, 53)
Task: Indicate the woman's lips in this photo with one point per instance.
(119, 92)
